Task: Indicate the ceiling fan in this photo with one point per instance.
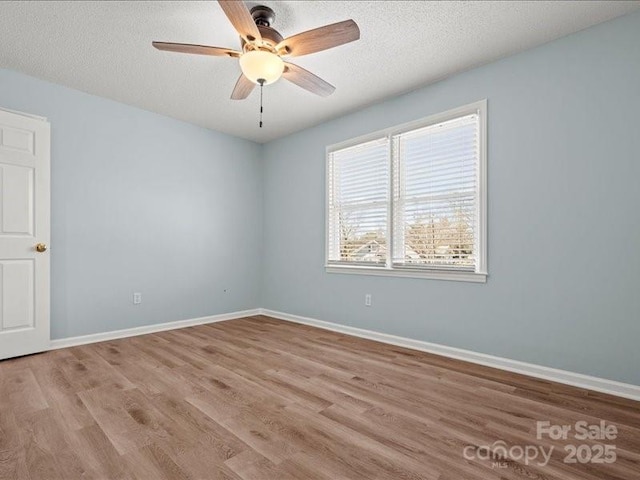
(263, 47)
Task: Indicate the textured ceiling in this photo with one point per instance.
(104, 48)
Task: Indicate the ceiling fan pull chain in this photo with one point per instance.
(261, 82)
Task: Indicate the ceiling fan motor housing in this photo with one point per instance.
(264, 18)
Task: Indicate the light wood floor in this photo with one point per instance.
(259, 398)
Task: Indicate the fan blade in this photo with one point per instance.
(307, 80)
(243, 88)
(319, 39)
(241, 19)
(196, 49)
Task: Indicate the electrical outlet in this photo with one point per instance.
(367, 300)
(137, 298)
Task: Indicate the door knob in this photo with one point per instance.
(41, 247)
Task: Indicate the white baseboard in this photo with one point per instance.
(611, 387)
(159, 327)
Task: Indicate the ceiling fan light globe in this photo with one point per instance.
(259, 64)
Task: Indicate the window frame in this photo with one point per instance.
(480, 273)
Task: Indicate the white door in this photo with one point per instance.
(24, 224)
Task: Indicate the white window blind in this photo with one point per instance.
(358, 197)
(411, 200)
(435, 195)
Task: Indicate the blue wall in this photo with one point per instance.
(564, 225)
(143, 203)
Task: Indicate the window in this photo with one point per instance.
(411, 200)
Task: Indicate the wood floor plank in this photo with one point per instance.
(250, 465)
(46, 429)
(151, 461)
(12, 454)
(38, 449)
(97, 451)
(263, 399)
(21, 391)
(127, 427)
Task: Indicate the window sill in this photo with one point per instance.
(406, 273)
